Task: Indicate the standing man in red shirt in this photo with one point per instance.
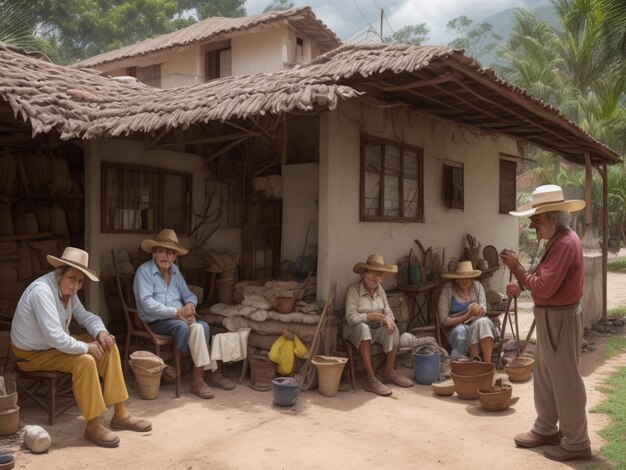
(556, 287)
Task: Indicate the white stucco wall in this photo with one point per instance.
(182, 68)
(300, 209)
(344, 240)
(258, 52)
(99, 245)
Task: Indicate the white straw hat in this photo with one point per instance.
(464, 270)
(166, 238)
(76, 258)
(546, 198)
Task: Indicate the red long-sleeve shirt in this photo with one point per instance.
(560, 277)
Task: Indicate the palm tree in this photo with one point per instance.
(581, 68)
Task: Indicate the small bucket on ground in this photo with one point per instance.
(285, 391)
(329, 370)
(147, 368)
(426, 367)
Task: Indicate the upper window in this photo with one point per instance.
(392, 181)
(150, 75)
(508, 185)
(144, 200)
(217, 60)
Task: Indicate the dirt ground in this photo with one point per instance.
(242, 429)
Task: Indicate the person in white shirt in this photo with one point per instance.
(41, 341)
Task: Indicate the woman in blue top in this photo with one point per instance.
(462, 307)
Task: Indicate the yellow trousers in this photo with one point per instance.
(91, 398)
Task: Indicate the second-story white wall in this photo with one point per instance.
(260, 52)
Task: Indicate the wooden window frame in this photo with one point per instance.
(402, 148)
(160, 202)
(504, 206)
(212, 63)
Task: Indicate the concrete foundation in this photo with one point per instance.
(591, 302)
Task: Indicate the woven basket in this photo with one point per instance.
(497, 399)
(520, 369)
(148, 368)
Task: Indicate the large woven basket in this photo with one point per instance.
(148, 369)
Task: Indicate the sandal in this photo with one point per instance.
(377, 387)
(131, 423)
(102, 437)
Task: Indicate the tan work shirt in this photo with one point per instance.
(359, 303)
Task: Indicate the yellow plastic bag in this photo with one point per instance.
(284, 351)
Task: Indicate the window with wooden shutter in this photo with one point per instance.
(391, 181)
(453, 188)
(508, 186)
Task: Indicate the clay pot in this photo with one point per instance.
(9, 421)
(225, 291)
(444, 387)
(285, 304)
(262, 372)
(470, 367)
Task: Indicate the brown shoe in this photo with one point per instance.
(562, 455)
(131, 423)
(202, 390)
(398, 379)
(376, 386)
(532, 439)
(102, 436)
(216, 379)
(169, 374)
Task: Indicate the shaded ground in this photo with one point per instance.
(242, 429)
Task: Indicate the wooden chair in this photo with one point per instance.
(140, 330)
(51, 390)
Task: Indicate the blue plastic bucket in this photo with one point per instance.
(426, 368)
(285, 391)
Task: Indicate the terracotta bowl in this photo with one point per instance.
(497, 399)
(520, 369)
(467, 386)
(444, 387)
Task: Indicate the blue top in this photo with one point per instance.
(458, 307)
(156, 300)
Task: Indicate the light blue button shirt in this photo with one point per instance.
(155, 299)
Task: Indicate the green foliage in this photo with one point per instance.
(580, 67)
(278, 5)
(477, 40)
(78, 29)
(412, 34)
(208, 8)
(618, 312)
(17, 27)
(615, 347)
(617, 265)
(615, 408)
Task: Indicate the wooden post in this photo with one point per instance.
(589, 240)
(605, 238)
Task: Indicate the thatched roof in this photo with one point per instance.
(84, 104)
(432, 79)
(219, 29)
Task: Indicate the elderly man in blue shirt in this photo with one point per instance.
(165, 302)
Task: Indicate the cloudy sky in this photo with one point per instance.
(350, 18)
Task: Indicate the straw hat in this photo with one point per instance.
(375, 263)
(166, 238)
(546, 198)
(463, 271)
(76, 258)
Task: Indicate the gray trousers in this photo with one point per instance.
(560, 395)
